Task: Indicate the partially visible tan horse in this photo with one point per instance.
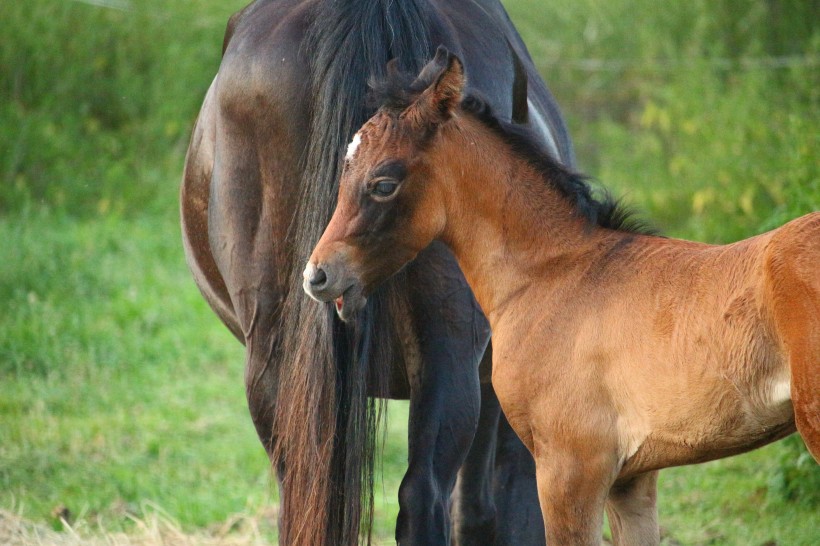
(616, 353)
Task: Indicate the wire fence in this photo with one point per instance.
(621, 65)
(122, 5)
(668, 65)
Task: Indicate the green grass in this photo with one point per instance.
(737, 501)
(119, 388)
(96, 101)
(117, 385)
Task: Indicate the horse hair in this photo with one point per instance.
(325, 425)
(397, 91)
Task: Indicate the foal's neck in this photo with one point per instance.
(511, 230)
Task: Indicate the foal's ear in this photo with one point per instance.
(443, 82)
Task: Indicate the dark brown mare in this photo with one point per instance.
(615, 352)
(259, 186)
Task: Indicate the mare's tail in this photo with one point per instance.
(324, 423)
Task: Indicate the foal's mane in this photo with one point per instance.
(397, 91)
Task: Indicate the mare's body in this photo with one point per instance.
(259, 184)
(615, 352)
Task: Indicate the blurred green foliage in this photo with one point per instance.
(114, 374)
(705, 113)
(97, 103)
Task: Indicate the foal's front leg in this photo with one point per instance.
(496, 500)
(573, 481)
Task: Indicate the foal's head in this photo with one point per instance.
(390, 204)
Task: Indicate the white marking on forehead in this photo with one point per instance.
(351, 148)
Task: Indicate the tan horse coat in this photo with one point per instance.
(615, 353)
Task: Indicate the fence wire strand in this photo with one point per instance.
(665, 65)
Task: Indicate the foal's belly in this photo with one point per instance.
(659, 452)
(712, 434)
(719, 387)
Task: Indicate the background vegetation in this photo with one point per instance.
(121, 394)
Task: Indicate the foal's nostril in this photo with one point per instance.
(318, 278)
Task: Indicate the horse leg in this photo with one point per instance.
(632, 511)
(473, 510)
(804, 363)
(225, 286)
(805, 390)
(251, 278)
(496, 499)
(250, 206)
(795, 292)
(516, 495)
(452, 334)
(498, 465)
(574, 476)
(251, 321)
(251, 269)
(194, 197)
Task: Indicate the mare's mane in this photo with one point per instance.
(397, 91)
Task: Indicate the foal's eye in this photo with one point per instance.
(384, 188)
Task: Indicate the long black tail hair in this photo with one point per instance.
(324, 425)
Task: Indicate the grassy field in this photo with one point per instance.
(121, 394)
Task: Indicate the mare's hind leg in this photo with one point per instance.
(473, 510)
(249, 314)
(249, 317)
(516, 495)
(632, 511)
(452, 334)
(496, 500)
(251, 202)
(194, 197)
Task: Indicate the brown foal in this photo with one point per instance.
(615, 352)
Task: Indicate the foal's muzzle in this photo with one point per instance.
(327, 282)
(315, 277)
